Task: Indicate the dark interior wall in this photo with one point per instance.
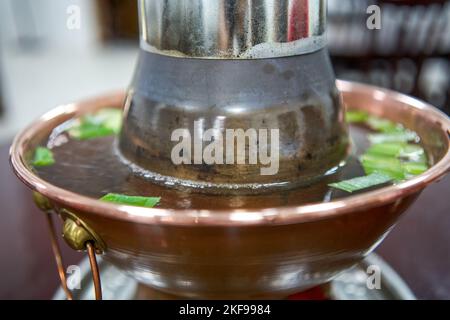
(118, 19)
(410, 55)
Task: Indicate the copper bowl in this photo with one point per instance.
(268, 253)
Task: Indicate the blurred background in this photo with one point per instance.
(43, 62)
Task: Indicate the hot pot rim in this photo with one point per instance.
(235, 217)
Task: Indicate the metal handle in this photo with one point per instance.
(58, 257)
(94, 270)
(79, 237)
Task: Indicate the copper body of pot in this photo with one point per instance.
(246, 253)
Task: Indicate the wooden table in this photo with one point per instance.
(418, 248)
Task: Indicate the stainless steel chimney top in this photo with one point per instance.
(232, 29)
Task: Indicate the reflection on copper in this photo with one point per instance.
(58, 257)
(95, 272)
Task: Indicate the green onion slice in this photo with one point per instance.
(413, 153)
(353, 116)
(414, 168)
(106, 122)
(404, 136)
(148, 202)
(383, 125)
(360, 183)
(43, 157)
(389, 166)
(386, 149)
(410, 152)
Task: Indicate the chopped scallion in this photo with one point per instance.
(414, 153)
(360, 183)
(43, 157)
(103, 123)
(404, 136)
(388, 149)
(389, 166)
(353, 116)
(410, 152)
(383, 125)
(148, 202)
(390, 157)
(415, 168)
(111, 119)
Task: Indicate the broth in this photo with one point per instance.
(92, 168)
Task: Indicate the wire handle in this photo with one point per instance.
(90, 247)
(58, 257)
(94, 270)
(79, 236)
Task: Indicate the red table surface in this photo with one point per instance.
(418, 248)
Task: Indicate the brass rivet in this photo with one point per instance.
(42, 202)
(77, 233)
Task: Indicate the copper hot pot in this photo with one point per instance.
(265, 253)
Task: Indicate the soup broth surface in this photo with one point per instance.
(93, 168)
